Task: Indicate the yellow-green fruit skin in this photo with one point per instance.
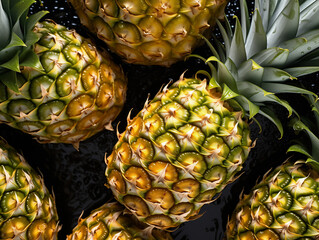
(27, 210)
(284, 205)
(111, 221)
(181, 150)
(156, 32)
(79, 92)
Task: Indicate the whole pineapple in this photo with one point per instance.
(285, 204)
(157, 32)
(27, 210)
(113, 221)
(67, 91)
(188, 143)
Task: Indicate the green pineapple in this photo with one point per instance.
(285, 204)
(113, 221)
(189, 142)
(27, 210)
(58, 87)
(157, 32)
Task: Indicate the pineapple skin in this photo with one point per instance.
(27, 210)
(284, 205)
(79, 92)
(157, 32)
(178, 153)
(113, 221)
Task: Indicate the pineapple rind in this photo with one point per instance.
(112, 221)
(79, 93)
(284, 205)
(168, 163)
(27, 210)
(150, 32)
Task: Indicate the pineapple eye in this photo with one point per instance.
(291, 223)
(37, 229)
(136, 205)
(50, 110)
(124, 153)
(138, 177)
(90, 77)
(160, 196)
(267, 234)
(160, 220)
(143, 149)
(164, 168)
(216, 175)
(13, 226)
(67, 82)
(20, 107)
(99, 231)
(182, 208)
(116, 180)
(79, 105)
(193, 160)
(104, 96)
(188, 186)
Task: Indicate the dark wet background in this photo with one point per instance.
(77, 177)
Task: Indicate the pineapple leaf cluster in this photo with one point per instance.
(17, 40)
(258, 58)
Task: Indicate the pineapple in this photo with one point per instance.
(27, 209)
(285, 204)
(189, 142)
(157, 32)
(67, 91)
(112, 221)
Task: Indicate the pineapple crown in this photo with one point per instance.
(256, 60)
(17, 39)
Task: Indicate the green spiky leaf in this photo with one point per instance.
(237, 51)
(244, 18)
(285, 88)
(309, 17)
(272, 57)
(33, 19)
(251, 71)
(228, 93)
(257, 39)
(276, 75)
(299, 149)
(223, 74)
(5, 29)
(273, 118)
(284, 26)
(300, 126)
(12, 64)
(9, 78)
(30, 59)
(249, 107)
(301, 71)
(15, 42)
(19, 8)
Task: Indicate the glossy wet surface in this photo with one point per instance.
(77, 177)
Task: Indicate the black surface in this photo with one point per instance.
(77, 177)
